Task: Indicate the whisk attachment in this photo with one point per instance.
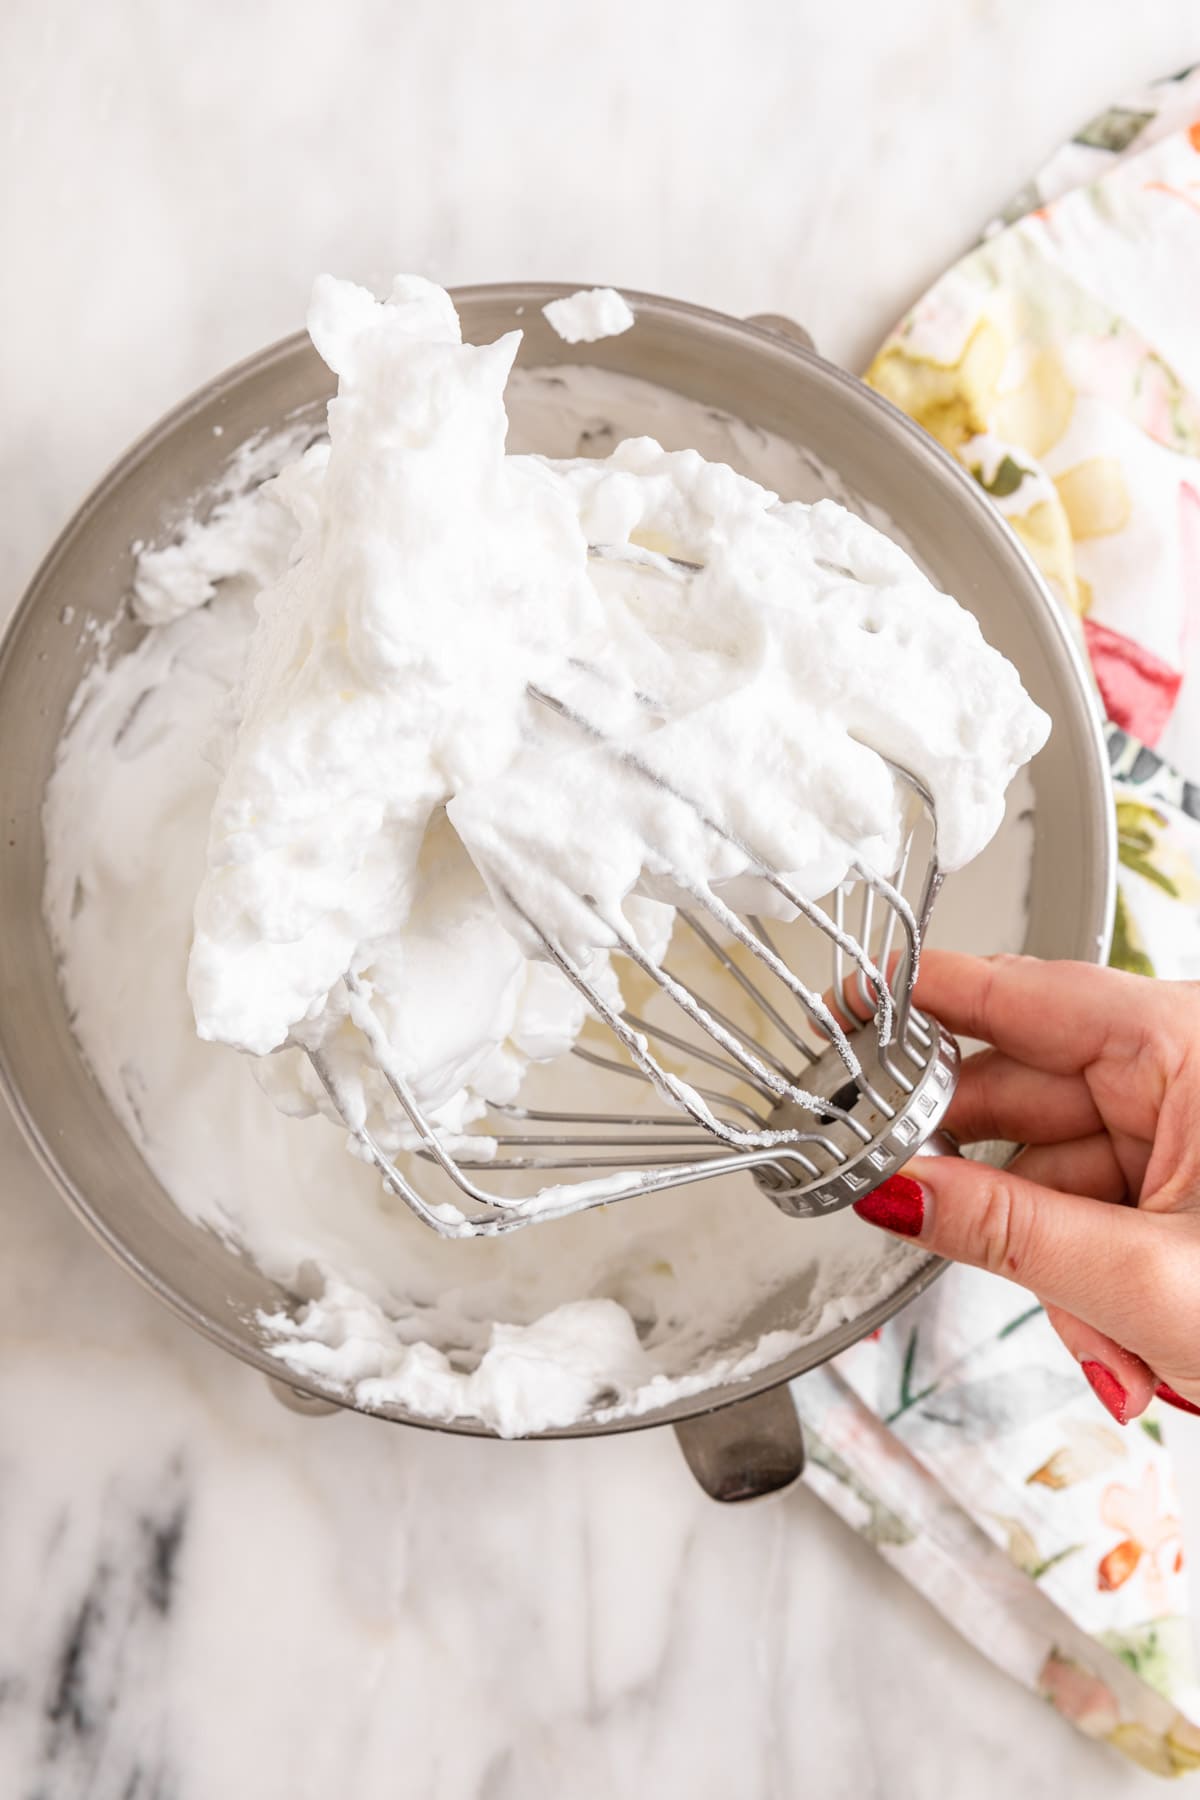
(817, 1113)
(816, 1110)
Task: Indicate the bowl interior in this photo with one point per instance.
(847, 440)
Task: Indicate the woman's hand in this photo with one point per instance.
(1098, 1074)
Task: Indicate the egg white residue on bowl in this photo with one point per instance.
(679, 1291)
(590, 314)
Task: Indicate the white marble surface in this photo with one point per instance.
(200, 1594)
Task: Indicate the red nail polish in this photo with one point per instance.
(1108, 1390)
(897, 1204)
(1163, 1392)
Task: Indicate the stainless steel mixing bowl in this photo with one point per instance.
(739, 1440)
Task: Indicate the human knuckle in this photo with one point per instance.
(1003, 1230)
(988, 1094)
(996, 972)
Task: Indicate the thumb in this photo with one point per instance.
(1087, 1257)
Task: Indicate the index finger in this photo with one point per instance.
(1055, 1016)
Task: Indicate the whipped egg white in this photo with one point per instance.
(396, 803)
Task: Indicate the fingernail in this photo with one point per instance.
(897, 1204)
(1163, 1392)
(1108, 1390)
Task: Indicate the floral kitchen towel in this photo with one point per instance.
(1059, 362)
(1128, 1684)
(1157, 926)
